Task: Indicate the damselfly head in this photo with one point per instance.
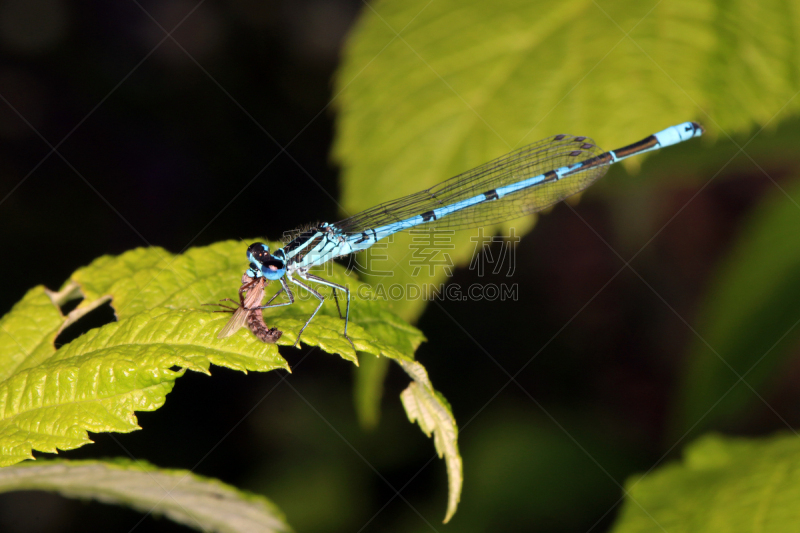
(258, 253)
(264, 263)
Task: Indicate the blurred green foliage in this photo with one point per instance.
(747, 330)
(184, 497)
(723, 484)
(428, 90)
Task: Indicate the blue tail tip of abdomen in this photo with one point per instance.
(678, 133)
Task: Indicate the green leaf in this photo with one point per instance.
(96, 382)
(430, 410)
(28, 331)
(148, 277)
(49, 399)
(749, 323)
(195, 501)
(427, 90)
(731, 485)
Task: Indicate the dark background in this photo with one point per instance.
(157, 149)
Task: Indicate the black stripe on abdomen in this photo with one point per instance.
(636, 147)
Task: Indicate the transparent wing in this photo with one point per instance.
(255, 293)
(238, 320)
(532, 160)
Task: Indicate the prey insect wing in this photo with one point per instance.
(247, 313)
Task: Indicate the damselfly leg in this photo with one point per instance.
(335, 286)
(310, 277)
